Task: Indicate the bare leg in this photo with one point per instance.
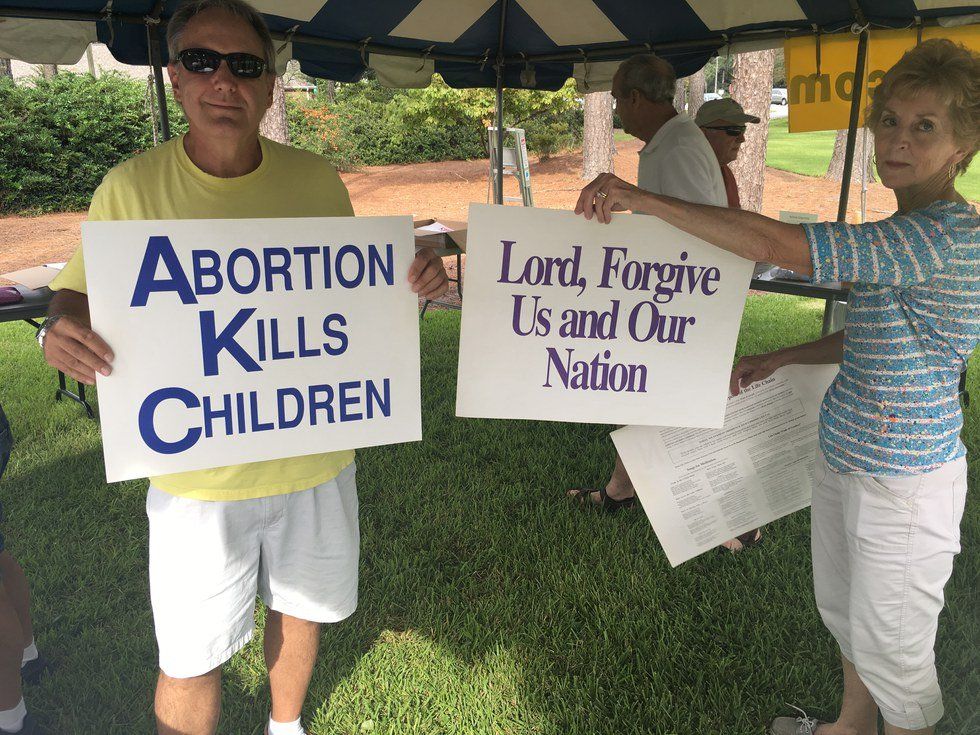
(858, 711)
(619, 486)
(894, 730)
(290, 647)
(11, 651)
(20, 595)
(188, 706)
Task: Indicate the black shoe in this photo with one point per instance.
(30, 727)
(32, 671)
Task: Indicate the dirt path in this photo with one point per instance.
(444, 190)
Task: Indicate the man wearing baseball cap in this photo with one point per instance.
(723, 123)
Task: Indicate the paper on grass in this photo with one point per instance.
(701, 487)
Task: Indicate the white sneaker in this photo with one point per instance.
(802, 725)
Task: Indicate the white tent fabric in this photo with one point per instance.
(45, 41)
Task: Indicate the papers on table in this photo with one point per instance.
(35, 277)
(701, 487)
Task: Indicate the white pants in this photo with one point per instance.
(883, 551)
(208, 559)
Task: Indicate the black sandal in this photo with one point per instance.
(583, 495)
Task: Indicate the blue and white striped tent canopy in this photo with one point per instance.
(541, 42)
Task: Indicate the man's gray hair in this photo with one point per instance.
(650, 75)
(189, 8)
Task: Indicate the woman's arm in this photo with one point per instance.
(744, 233)
(753, 368)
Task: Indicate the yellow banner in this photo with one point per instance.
(823, 101)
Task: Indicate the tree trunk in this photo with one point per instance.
(331, 87)
(49, 70)
(835, 170)
(5, 71)
(597, 141)
(695, 92)
(751, 88)
(91, 61)
(679, 95)
(275, 125)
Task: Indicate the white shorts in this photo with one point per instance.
(883, 551)
(208, 560)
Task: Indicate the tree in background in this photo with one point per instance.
(695, 92)
(48, 71)
(275, 124)
(718, 73)
(751, 88)
(680, 95)
(862, 152)
(5, 70)
(598, 149)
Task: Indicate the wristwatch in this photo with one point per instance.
(45, 327)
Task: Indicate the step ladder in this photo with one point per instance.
(515, 164)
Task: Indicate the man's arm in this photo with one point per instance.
(70, 345)
(753, 368)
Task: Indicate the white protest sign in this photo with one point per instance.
(245, 340)
(565, 319)
(701, 487)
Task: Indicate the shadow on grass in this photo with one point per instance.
(487, 603)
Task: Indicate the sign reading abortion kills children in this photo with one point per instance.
(245, 340)
(566, 319)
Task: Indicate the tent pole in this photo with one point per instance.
(862, 52)
(845, 184)
(153, 42)
(498, 194)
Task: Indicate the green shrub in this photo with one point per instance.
(59, 137)
(370, 125)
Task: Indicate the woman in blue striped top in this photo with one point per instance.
(891, 475)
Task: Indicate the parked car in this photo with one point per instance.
(708, 96)
(779, 96)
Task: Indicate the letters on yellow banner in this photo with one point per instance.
(822, 101)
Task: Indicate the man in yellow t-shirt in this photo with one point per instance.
(285, 528)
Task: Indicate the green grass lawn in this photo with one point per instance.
(488, 604)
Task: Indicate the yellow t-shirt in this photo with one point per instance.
(164, 183)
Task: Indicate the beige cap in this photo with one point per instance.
(726, 109)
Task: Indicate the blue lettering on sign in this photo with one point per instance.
(158, 249)
(149, 432)
(212, 343)
(212, 271)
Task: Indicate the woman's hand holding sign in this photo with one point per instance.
(607, 194)
(428, 275)
(70, 345)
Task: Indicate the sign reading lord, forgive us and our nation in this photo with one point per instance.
(245, 340)
(565, 319)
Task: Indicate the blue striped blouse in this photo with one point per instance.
(913, 321)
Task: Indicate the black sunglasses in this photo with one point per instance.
(206, 61)
(732, 130)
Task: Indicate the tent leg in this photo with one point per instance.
(845, 184)
(498, 189)
(498, 194)
(155, 61)
(830, 317)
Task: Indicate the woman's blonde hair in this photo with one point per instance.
(951, 71)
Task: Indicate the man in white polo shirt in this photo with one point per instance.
(676, 161)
